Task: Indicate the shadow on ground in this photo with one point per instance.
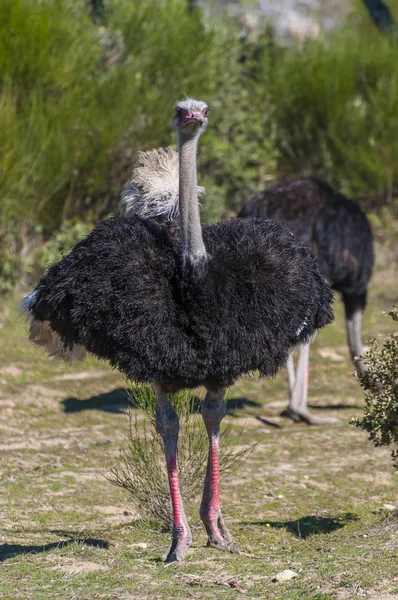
(119, 399)
(115, 401)
(234, 404)
(11, 550)
(307, 526)
(334, 406)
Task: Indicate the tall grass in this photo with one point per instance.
(334, 107)
(78, 101)
(51, 102)
(68, 115)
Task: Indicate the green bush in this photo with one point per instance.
(78, 101)
(65, 115)
(238, 154)
(73, 123)
(44, 254)
(380, 419)
(334, 108)
(47, 55)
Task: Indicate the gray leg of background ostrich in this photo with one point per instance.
(299, 379)
(297, 409)
(213, 411)
(291, 375)
(167, 426)
(354, 338)
(354, 305)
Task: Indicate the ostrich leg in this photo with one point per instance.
(213, 411)
(297, 409)
(291, 375)
(298, 386)
(167, 426)
(354, 307)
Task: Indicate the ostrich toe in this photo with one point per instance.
(222, 544)
(305, 416)
(218, 534)
(180, 544)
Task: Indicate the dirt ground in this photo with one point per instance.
(312, 500)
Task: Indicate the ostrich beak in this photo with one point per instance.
(194, 117)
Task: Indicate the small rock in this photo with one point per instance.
(284, 576)
(385, 508)
(140, 546)
(103, 441)
(82, 447)
(389, 507)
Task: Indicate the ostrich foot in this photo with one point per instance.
(180, 543)
(291, 414)
(300, 415)
(222, 544)
(218, 534)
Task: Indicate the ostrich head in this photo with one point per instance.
(191, 117)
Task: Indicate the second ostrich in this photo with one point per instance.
(340, 237)
(186, 305)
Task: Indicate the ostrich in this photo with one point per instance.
(340, 237)
(180, 307)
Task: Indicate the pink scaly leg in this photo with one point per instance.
(167, 426)
(213, 412)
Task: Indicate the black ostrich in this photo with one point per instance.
(340, 237)
(179, 310)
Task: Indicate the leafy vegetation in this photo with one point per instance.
(380, 419)
(40, 256)
(335, 111)
(79, 100)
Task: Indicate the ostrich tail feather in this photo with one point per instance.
(153, 190)
(41, 334)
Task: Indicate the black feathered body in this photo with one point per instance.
(125, 294)
(335, 228)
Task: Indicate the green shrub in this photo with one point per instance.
(238, 154)
(10, 265)
(73, 124)
(385, 231)
(45, 254)
(78, 101)
(46, 60)
(380, 419)
(334, 107)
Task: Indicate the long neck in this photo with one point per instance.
(193, 248)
